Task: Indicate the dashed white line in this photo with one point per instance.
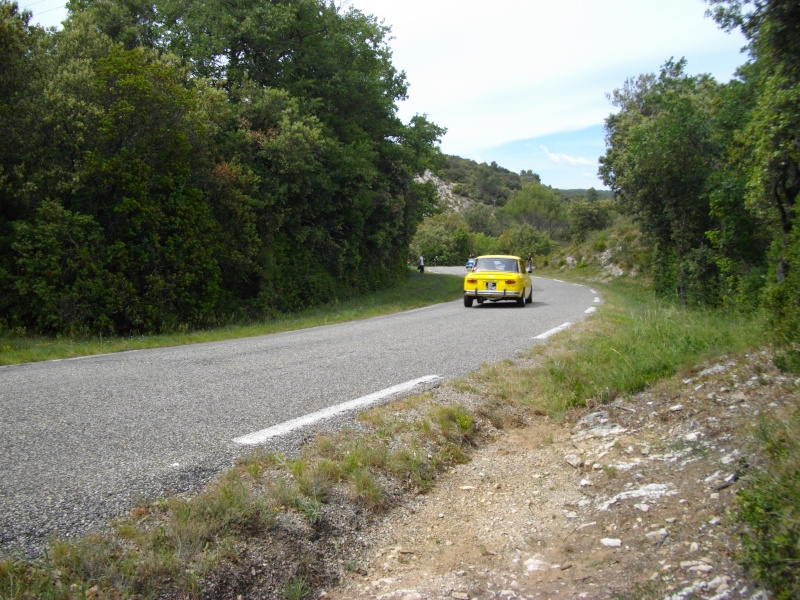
(258, 437)
(554, 331)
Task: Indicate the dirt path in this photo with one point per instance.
(629, 500)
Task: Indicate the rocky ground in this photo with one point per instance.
(626, 500)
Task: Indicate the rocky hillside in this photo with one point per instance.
(627, 500)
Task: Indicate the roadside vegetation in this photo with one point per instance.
(163, 166)
(411, 291)
(186, 546)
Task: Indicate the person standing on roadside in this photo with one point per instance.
(421, 266)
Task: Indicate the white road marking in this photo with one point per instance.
(590, 310)
(258, 437)
(547, 334)
(597, 300)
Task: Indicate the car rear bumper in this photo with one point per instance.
(505, 294)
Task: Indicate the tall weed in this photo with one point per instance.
(633, 342)
(769, 509)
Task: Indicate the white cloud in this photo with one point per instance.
(566, 159)
(492, 73)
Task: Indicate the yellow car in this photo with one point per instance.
(498, 277)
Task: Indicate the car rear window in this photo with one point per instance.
(497, 264)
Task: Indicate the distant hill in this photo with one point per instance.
(462, 181)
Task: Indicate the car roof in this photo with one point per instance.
(498, 256)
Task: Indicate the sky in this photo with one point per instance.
(524, 83)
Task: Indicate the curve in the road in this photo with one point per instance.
(84, 440)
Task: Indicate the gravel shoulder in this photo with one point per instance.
(627, 500)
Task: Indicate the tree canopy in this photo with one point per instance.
(712, 171)
(169, 164)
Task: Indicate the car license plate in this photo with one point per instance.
(491, 286)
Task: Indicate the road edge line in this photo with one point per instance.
(547, 334)
(258, 437)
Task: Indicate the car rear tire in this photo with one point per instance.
(530, 297)
(521, 300)
(467, 302)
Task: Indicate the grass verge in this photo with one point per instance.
(635, 341)
(417, 290)
(182, 547)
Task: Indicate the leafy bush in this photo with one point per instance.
(783, 303)
(769, 509)
(523, 240)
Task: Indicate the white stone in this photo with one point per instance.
(536, 563)
(611, 542)
(650, 491)
(698, 566)
(657, 537)
(601, 431)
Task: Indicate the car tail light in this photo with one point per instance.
(472, 281)
(511, 281)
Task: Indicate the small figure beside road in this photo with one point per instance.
(421, 265)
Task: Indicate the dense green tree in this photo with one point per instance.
(524, 240)
(140, 181)
(480, 218)
(342, 158)
(529, 176)
(484, 244)
(24, 71)
(661, 154)
(740, 235)
(217, 159)
(771, 144)
(589, 215)
(445, 235)
(63, 282)
(132, 23)
(539, 206)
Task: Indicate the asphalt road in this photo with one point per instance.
(84, 439)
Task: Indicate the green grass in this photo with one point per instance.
(417, 290)
(635, 341)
